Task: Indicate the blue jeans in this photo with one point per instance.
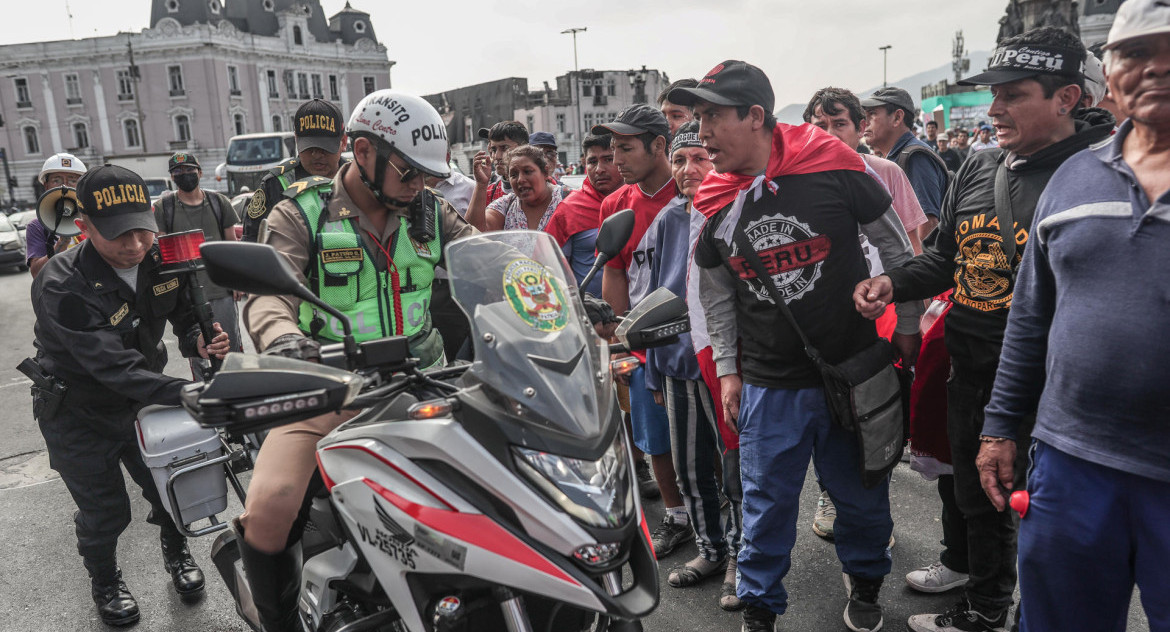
(1090, 533)
(779, 430)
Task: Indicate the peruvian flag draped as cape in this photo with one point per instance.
(796, 149)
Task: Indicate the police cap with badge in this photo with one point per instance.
(116, 201)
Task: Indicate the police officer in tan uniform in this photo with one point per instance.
(366, 242)
(320, 134)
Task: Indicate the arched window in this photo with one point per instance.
(298, 39)
(239, 120)
(182, 128)
(80, 136)
(276, 123)
(130, 132)
(32, 142)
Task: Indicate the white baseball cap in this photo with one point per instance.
(1139, 18)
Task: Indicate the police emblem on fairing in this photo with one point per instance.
(791, 253)
(536, 295)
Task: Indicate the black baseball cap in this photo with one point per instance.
(116, 201)
(318, 123)
(634, 120)
(733, 83)
(890, 96)
(542, 139)
(1022, 61)
(181, 158)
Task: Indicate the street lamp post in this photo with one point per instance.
(885, 54)
(576, 82)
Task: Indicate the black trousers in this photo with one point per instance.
(449, 319)
(991, 534)
(87, 455)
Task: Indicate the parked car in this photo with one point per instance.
(12, 252)
(21, 219)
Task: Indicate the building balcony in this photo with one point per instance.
(123, 98)
(181, 145)
(235, 93)
(24, 105)
(179, 93)
(73, 101)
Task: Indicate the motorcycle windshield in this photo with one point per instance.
(533, 341)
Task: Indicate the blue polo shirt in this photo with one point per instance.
(1086, 344)
(927, 178)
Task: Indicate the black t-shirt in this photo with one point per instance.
(807, 235)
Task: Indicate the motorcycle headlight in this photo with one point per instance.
(597, 493)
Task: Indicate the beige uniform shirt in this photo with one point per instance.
(270, 317)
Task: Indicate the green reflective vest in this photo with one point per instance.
(342, 273)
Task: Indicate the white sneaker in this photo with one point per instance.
(935, 578)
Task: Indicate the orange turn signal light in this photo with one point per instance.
(624, 366)
(429, 409)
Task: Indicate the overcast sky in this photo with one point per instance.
(442, 44)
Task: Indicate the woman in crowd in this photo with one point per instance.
(533, 198)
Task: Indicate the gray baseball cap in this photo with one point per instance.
(1139, 18)
(891, 96)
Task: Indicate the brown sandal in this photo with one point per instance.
(694, 572)
(727, 598)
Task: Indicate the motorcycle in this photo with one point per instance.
(495, 495)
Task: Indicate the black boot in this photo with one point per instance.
(115, 604)
(273, 580)
(185, 573)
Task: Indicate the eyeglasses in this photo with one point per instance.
(405, 176)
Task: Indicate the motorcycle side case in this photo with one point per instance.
(171, 439)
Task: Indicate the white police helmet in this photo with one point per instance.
(407, 124)
(67, 163)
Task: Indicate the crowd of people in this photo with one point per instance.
(1008, 266)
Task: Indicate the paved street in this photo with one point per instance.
(43, 585)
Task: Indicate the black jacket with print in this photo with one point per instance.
(964, 252)
(103, 339)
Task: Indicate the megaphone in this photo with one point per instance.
(57, 208)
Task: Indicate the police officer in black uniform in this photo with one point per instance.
(320, 134)
(101, 309)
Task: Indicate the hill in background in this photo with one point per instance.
(913, 84)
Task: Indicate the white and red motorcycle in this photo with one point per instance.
(498, 495)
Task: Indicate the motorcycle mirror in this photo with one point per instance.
(611, 238)
(615, 233)
(260, 269)
(659, 319)
(250, 268)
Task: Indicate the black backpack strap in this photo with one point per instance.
(1005, 214)
(168, 209)
(753, 259)
(904, 156)
(216, 209)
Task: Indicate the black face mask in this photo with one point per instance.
(187, 182)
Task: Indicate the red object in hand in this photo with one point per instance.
(1019, 501)
(180, 247)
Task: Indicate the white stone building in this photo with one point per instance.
(203, 72)
(586, 98)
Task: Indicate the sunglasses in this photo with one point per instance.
(405, 176)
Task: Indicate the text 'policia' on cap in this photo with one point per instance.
(318, 123)
(116, 201)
